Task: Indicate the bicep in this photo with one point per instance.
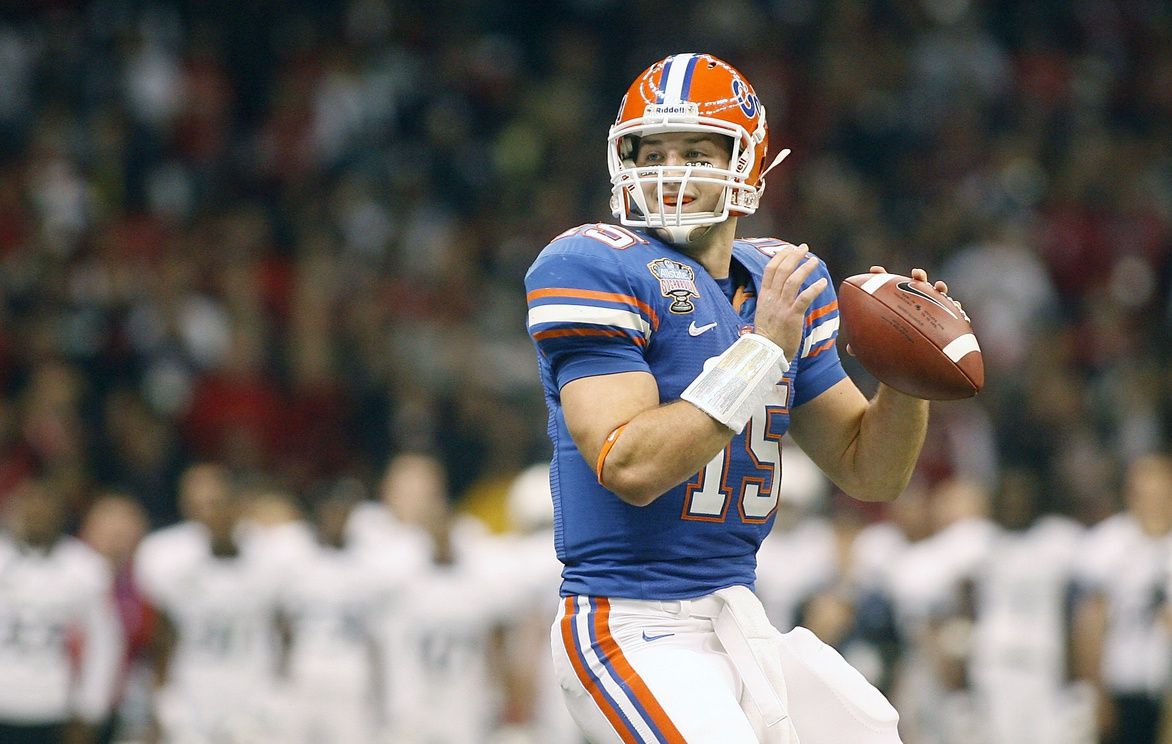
(597, 405)
(826, 426)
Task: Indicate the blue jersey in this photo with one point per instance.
(603, 300)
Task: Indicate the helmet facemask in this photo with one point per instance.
(629, 200)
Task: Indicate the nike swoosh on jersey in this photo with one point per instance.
(655, 637)
(695, 330)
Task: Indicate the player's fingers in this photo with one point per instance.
(941, 287)
(919, 275)
(777, 269)
(799, 276)
(780, 268)
(877, 270)
(806, 297)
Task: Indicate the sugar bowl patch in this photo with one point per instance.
(677, 281)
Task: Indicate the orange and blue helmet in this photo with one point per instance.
(688, 93)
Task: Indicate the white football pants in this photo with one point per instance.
(642, 671)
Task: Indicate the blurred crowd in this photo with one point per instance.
(288, 237)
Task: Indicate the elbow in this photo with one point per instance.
(637, 498)
(875, 492)
(630, 488)
(876, 495)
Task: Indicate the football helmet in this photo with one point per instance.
(687, 93)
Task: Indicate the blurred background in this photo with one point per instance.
(288, 238)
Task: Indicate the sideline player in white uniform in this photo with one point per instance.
(442, 634)
(393, 523)
(217, 632)
(56, 600)
(1018, 658)
(1123, 644)
(927, 584)
(198, 488)
(674, 357)
(534, 573)
(333, 602)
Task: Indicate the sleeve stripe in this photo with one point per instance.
(589, 314)
(816, 351)
(818, 313)
(563, 332)
(820, 334)
(590, 294)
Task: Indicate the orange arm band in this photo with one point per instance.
(606, 447)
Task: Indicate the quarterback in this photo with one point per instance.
(674, 356)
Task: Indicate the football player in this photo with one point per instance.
(1122, 639)
(674, 357)
(333, 600)
(443, 637)
(1021, 626)
(61, 641)
(216, 635)
(534, 703)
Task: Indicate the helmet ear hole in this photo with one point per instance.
(628, 146)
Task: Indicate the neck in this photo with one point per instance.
(713, 249)
(224, 546)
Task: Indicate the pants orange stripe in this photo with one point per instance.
(609, 649)
(600, 700)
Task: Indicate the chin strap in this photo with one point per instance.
(682, 235)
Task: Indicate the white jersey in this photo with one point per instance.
(49, 600)
(224, 612)
(924, 582)
(926, 577)
(794, 565)
(873, 553)
(441, 688)
(1022, 588)
(1018, 656)
(162, 549)
(1130, 569)
(371, 525)
(335, 602)
(281, 546)
(222, 672)
(531, 583)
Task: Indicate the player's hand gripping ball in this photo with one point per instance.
(910, 336)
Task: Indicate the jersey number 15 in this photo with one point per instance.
(708, 495)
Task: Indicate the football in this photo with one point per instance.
(910, 336)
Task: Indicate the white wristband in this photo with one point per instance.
(736, 383)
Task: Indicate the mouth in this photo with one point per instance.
(672, 200)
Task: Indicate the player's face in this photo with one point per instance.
(332, 519)
(1149, 493)
(39, 517)
(413, 486)
(676, 151)
(201, 490)
(114, 526)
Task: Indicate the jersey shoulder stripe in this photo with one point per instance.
(537, 296)
(582, 286)
(589, 309)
